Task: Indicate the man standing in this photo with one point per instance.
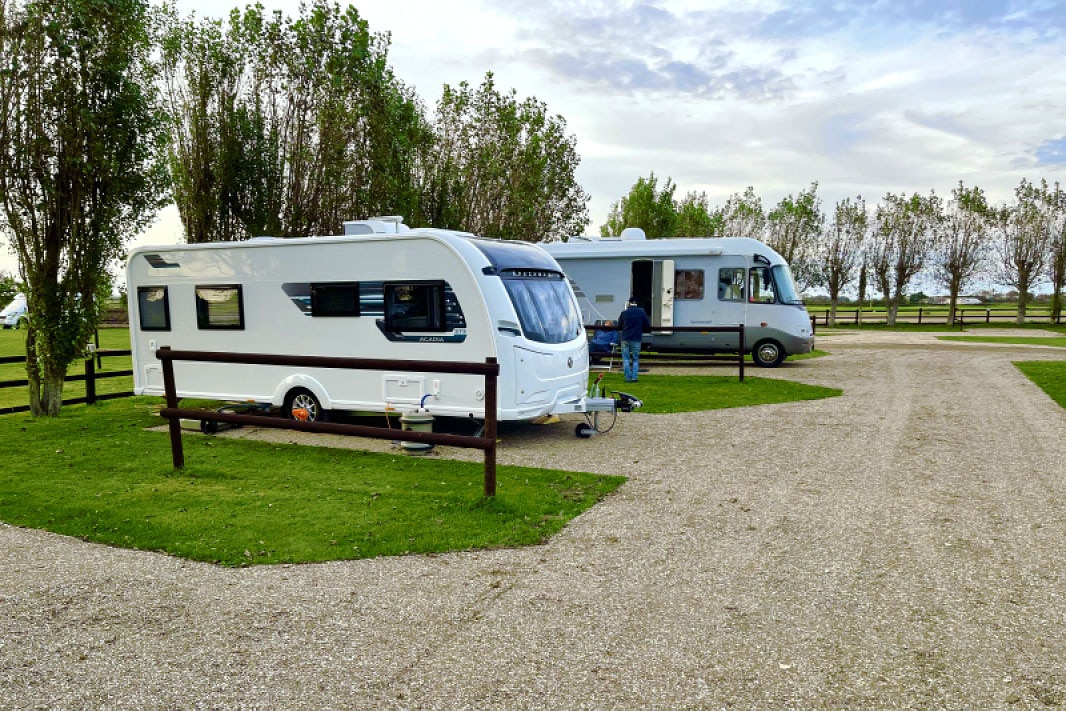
(632, 324)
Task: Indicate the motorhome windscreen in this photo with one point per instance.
(786, 286)
(544, 304)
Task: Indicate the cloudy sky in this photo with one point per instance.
(865, 98)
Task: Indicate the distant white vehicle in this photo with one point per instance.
(15, 313)
(381, 290)
(691, 282)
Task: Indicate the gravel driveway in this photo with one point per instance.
(900, 546)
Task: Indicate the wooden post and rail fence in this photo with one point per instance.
(490, 370)
(930, 316)
(92, 374)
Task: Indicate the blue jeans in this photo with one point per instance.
(630, 360)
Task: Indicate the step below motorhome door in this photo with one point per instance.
(662, 295)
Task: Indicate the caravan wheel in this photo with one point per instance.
(301, 404)
(768, 354)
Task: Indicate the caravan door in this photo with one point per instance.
(662, 295)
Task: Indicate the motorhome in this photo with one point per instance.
(381, 290)
(691, 282)
(15, 313)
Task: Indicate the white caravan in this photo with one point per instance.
(381, 290)
(691, 282)
(14, 313)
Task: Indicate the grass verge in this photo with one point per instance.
(1049, 376)
(690, 393)
(96, 473)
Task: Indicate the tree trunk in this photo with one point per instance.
(890, 308)
(1023, 295)
(45, 384)
(953, 298)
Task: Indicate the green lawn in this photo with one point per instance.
(691, 393)
(1050, 376)
(98, 474)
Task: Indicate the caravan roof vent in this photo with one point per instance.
(385, 224)
(632, 233)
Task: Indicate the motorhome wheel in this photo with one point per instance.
(301, 404)
(768, 354)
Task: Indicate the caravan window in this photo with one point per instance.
(220, 307)
(688, 284)
(414, 306)
(337, 299)
(731, 284)
(153, 306)
(762, 286)
(545, 305)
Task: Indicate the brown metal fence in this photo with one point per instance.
(490, 369)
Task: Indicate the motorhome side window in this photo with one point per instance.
(731, 284)
(153, 307)
(688, 284)
(414, 306)
(220, 307)
(335, 299)
(762, 286)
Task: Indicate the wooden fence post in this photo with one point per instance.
(176, 452)
(740, 364)
(491, 400)
(90, 380)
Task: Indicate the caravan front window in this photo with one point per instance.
(545, 305)
(786, 286)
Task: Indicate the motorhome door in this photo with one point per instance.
(652, 283)
(662, 295)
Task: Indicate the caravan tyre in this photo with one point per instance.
(768, 354)
(301, 404)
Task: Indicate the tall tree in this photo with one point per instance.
(842, 250)
(694, 217)
(288, 126)
(900, 244)
(204, 67)
(962, 242)
(501, 167)
(646, 207)
(1055, 207)
(741, 216)
(81, 137)
(1020, 242)
(793, 229)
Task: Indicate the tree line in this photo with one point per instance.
(256, 124)
(883, 248)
